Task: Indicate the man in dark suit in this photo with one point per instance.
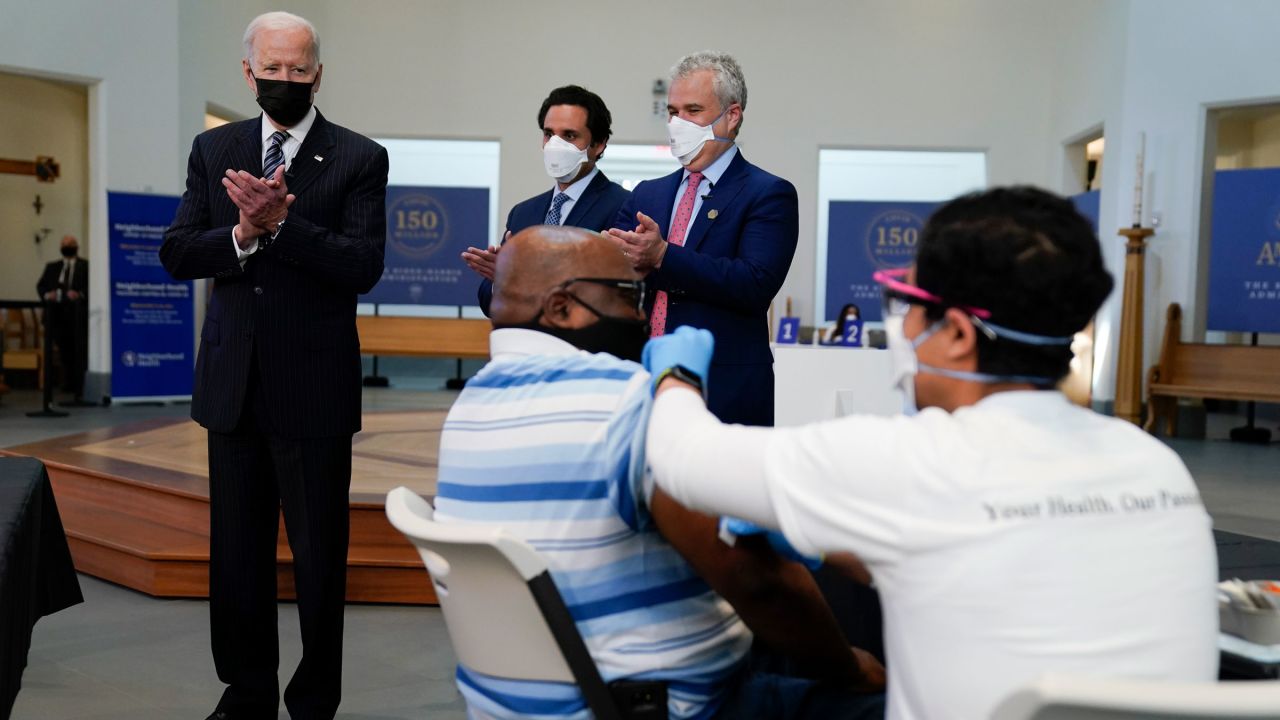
(576, 126)
(65, 286)
(286, 213)
(714, 240)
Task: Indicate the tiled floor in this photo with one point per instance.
(122, 656)
(125, 655)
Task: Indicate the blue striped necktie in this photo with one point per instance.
(275, 154)
(553, 217)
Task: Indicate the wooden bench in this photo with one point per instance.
(21, 342)
(1200, 370)
(424, 337)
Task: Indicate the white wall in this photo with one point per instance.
(1087, 79)
(48, 118)
(1018, 78)
(913, 73)
(1180, 58)
(126, 52)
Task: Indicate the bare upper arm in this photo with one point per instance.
(735, 572)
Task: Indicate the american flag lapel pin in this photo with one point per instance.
(319, 159)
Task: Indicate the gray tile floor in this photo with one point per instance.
(121, 654)
(125, 655)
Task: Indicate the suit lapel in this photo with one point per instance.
(246, 153)
(662, 215)
(721, 196)
(313, 158)
(589, 197)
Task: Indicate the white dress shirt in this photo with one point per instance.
(290, 146)
(574, 192)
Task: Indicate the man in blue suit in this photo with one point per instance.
(715, 239)
(576, 126)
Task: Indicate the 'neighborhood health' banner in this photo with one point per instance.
(1087, 204)
(1244, 253)
(152, 336)
(863, 237)
(427, 230)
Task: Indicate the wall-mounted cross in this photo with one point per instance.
(38, 205)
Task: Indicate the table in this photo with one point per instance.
(1243, 660)
(820, 382)
(36, 574)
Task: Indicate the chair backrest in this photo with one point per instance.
(1065, 697)
(504, 614)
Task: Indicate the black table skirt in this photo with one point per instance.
(37, 577)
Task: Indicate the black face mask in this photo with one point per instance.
(69, 252)
(620, 337)
(285, 102)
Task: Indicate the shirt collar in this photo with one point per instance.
(716, 169)
(1026, 400)
(297, 132)
(523, 341)
(579, 186)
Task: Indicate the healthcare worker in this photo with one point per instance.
(1010, 532)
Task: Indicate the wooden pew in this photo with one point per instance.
(1201, 370)
(424, 337)
(23, 330)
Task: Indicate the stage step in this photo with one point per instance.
(153, 536)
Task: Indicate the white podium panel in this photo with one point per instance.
(817, 382)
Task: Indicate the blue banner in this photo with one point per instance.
(863, 237)
(1244, 253)
(1088, 204)
(152, 316)
(427, 230)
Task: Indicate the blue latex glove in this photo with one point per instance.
(686, 346)
(732, 528)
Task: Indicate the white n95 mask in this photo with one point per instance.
(687, 138)
(562, 159)
(903, 364)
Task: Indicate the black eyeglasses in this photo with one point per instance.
(631, 290)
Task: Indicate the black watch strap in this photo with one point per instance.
(685, 375)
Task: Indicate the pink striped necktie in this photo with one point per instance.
(684, 213)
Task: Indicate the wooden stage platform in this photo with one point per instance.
(134, 501)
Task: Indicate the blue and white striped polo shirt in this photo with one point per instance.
(549, 441)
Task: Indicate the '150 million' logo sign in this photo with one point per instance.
(892, 238)
(419, 225)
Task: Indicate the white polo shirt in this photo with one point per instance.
(1015, 537)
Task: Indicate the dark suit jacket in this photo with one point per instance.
(293, 305)
(71, 315)
(725, 275)
(594, 211)
(52, 276)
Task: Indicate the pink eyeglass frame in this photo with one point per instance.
(893, 281)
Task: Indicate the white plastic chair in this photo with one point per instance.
(504, 614)
(1065, 697)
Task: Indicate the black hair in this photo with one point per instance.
(599, 121)
(1028, 257)
(844, 311)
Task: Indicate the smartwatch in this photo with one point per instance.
(683, 374)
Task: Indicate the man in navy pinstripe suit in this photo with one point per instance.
(286, 213)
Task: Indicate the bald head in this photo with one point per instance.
(69, 241)
(536, 261)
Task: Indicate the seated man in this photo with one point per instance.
(548, 440)
(1010, 533)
